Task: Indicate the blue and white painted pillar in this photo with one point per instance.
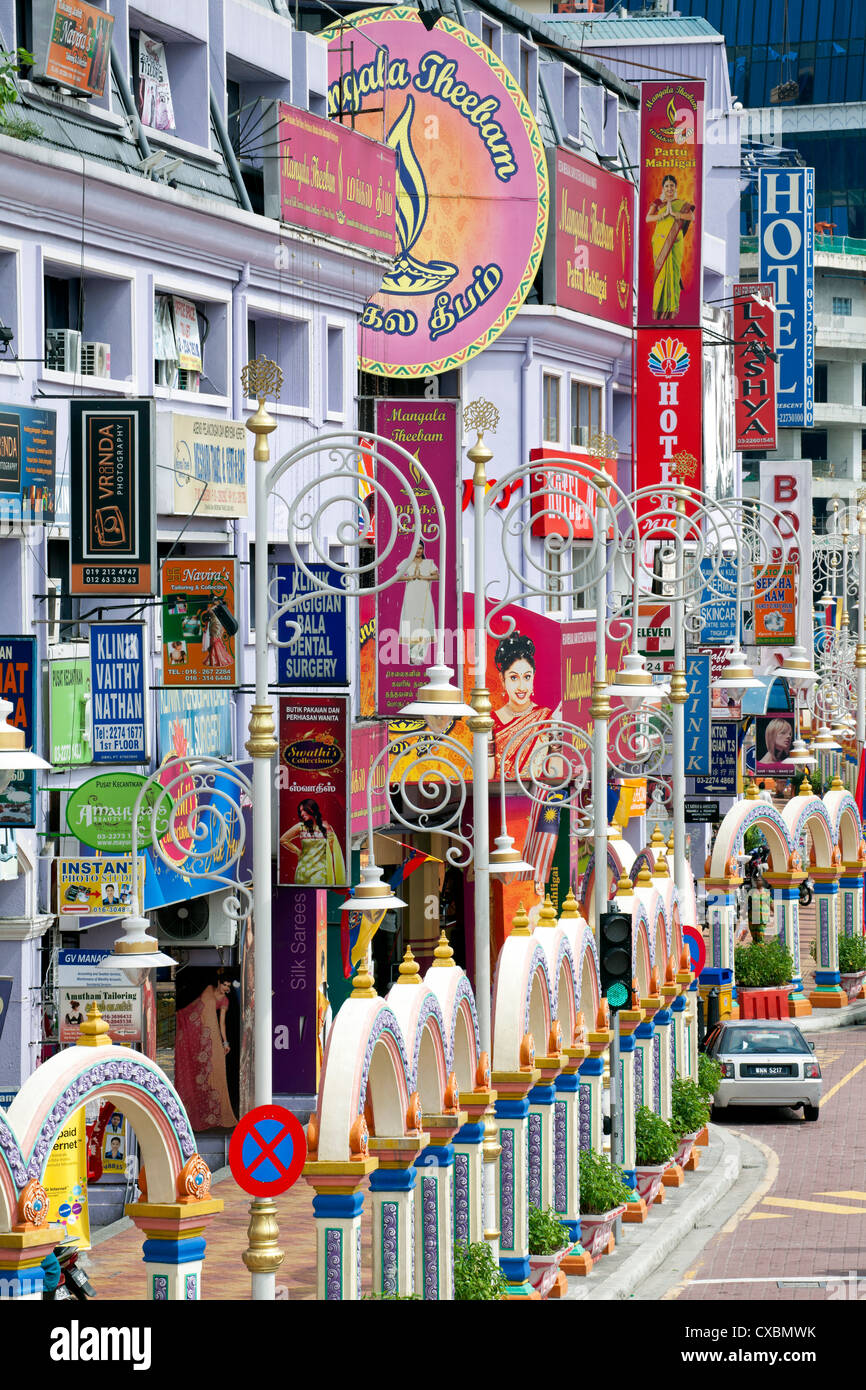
(828, 993)
(591, 1076)
(434, 1222)
(644, 1090)
(540, 1144)
(626, 1156)
(681, 1055)
(566, 1151)
(392, 1193)
(512, 1121)
(469, 1182)
(662, 1062)
(338, 1246)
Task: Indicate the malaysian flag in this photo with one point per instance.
(543, 832)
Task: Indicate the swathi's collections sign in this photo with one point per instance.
(334, 180)
(592, 250)
(313, 791)
(472, 189)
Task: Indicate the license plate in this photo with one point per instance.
(767, 1071)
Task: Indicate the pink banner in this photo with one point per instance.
(670, 217)
(334, 180)
(594, 238)
(368, 741)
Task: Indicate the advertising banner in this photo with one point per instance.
(774, 739)
(65, 1182)
(591, 256)
(222, 844)
(18, 686)
(195, 723)
(118, 712)
(28, 464)
(700, 812)
(407, 611)
(670, 216)
(787, 488)
(313, 791)
(207, 1045)
(210, 466)
(154, 89)
(578, 669)
(79, 47)
(754, 368)
(786, 258)
(95, 887)
(337, 181)
(186, 334)
(116, 1142)
(722, 780)
(99, 813)
(472, 189)
(776, 608)
(317, 622)
(697, 715)
(83, 980)
(69, 712)
(112, 535)
(561, 502)
(718, 610)
(302, 1012)
(669, 387)
(199, 623)
(724, 706)
(368, 741)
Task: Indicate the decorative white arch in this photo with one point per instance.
(729, 840)
(809, 813)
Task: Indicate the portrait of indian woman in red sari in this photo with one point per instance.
(518, 716)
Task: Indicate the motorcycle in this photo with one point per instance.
(805, 893)
(74, 1283)
(754, 868)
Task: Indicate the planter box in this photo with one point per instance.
(543, 1269)
(649, 1180)
(853, 984)
(684, 1150)
(768, 1001)
(596, 1230)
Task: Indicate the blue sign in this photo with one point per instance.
(6, 1099)
(195, 723)
(698, 713)
(224, 827)
(318, 653)
(719, 603)
(722, 780)
(118, 707)
(28, 452)
(786, 257)
(18, 686)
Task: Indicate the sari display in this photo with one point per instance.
(200, 1062)
(523, 750)
(321, 858)
(667, 246)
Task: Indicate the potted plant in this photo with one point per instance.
(852, 964)
(477, 1276)
(549, 1243)
(690, 1111)
(603, 1197)
(655, 1146)
(709, 1076)
(762, 973)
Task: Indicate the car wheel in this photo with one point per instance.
(810, 1112)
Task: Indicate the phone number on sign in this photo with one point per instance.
(118, 737)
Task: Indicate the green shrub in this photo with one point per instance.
(601, 1184)
(753, 839)
(655, 1141)
(546, 1232)
(763, 963)
(709, 1075)
(852, 954)
(393, 1297)
(689, 1108)
(477, 1276)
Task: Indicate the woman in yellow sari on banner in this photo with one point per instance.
(320, 858)
(671, 216)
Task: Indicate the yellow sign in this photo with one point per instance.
(632, 800)
(65, 1183)
(96, 887)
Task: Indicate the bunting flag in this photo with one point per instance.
(357, 930)
(402, 871)
(543, 832)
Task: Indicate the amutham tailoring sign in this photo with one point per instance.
(312, 633)
(112, 536)
(118, 716)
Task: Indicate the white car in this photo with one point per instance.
(765, 1063)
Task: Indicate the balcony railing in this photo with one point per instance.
(835, 245)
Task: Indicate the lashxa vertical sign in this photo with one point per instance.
(786, 258)
(118, 712)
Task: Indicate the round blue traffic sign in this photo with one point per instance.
(267, 1151)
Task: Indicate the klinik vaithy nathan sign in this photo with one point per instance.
(472, 188)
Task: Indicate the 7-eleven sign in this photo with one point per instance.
(655, 629)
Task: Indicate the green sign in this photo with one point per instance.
(99, 812)
(69, 711)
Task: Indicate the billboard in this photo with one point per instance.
(79, 47)
(112, 534)
(195, 723)
(300, 974)
(118, 710)
(754, 368)
(786, 258)
(775, 607)
(313, 786)
(95, 887)
(786, 488)
(18, 686)
(774, 738)
(670, 216)
(316, 628)
(28, 462)
(669, 395)
(588, 263)
(368, 741)
(83, 980)
(718, 610)
(406, 612)
(69, 712)
(210, 466)
(472, 189)
(199, 623)
(99, 812)
(561, 503)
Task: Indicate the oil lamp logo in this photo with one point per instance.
(623, 235)
(668, 358)
(408, 275)
(673, 132)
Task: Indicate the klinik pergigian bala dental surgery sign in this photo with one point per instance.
(472, 191)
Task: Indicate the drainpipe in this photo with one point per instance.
(128, 103)
(228, 152)
(239, 357)
(528, 355)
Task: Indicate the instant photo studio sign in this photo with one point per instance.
(118, 709)
(112, 536)
(312, 635)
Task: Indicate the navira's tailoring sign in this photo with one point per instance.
(592, 250)
(312, 634)
(112, 538)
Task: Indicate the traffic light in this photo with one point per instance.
(615, 959)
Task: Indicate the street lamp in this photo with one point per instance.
(14, 756)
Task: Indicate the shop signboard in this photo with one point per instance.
(112, 535)
(774, 738)
(195, 723)
(786, 258)
(755, 366)
(302, 1013)
(186, 334)
(775, 606)
(205, 841)
(79, 47)
(333, 179)
(69, 712)
(670, 217)
(82, 979)
(368, 741)
(700, 811)
(210, 466)
(724, 706)
(407, 611)
(154, 89)
(718, 611)
(471, 190)
(100, 812)
(312, 635)
(786, 496)
(697, 715)
(669, 393)
(591, 256)
(561, 502)
(18, 686)
(64, 1179)
(313, 787)
(28, 464)
(118, 708)
(199, 622)
(724, 746)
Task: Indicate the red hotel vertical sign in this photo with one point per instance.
(755, 339)
(669, 390)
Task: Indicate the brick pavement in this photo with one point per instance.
(826, 1236)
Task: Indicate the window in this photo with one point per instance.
(585, 413)
(820, 382)
(551, 408)
(285, 341)
(334, 372)
(813, 444)
(841, 306)
(88, 323)
(863, 383)
(8, 303)
(555, 562)
(62, 609)
(170, 82)
(525, 71)
(189, 344)
(490, 35)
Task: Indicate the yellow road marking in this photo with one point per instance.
(799, 1204)
(856, 1196)
(767, 1216)
(839, 1084)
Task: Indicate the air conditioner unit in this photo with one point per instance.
(63, 349)
(96, 359)
(197, 922)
